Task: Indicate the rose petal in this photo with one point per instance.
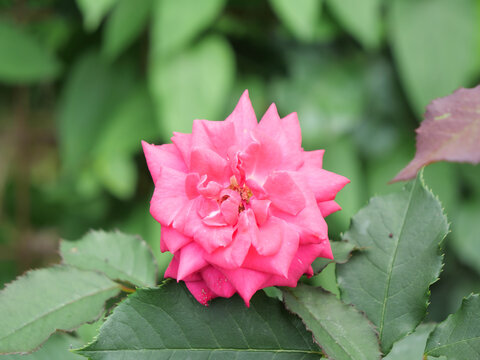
(215, 135)
(300, 264)
(183, 142)
(246, 281)
(171, 271)
(292, 130)
(284, 192)
(260, 209)
(191, 184)
(200, 291)
(233, 255)
(191, 259)
(328, 207)
(324, 184)
(261, 157)
(173, 240)
(229, 208)
(270, 237)
(207, 162)
(244, 119)
(169, 196)
(212, 238)
(217, 282)
(278, 262)
(159, 156)
(285, 131)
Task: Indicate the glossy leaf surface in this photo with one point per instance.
(168, 323)
(389, 280)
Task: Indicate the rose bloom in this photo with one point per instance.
(241, 204)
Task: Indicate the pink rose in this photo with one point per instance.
(241, 204)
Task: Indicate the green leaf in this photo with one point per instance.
(94, 11)
(389, 281)
(176, 23)
(127, 21)
(168, 323)
(130, 122)
(342, 251)
(466, 230)
(23, 59)
(91, 108)
(119, 256)
(193, 85)
(42, 301)
(340, 330)
(301, 17)
(81, 109)
(435, 45)
(55, 348)
(362, 19)
(458, 337)
(411, 346)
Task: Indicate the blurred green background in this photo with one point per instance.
(82, 82)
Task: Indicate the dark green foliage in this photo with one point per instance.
(168, 323)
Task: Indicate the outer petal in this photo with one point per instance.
(212, 238)
(246, 281)
(284, 192)
(207, 162)
(270, 237)
(214, 135)
(183, 142)
(244, 119)
(191, 259)
(301, 264)
(217, 282)
(309, 222)
(285, 131)
(169, 196)
(200, 291)
(313, 158)
(173, 240)
(324, 184)
(292, 130)
(279, 262)
(159, 156)
(328, 207)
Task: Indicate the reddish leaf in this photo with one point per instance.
(450, 132)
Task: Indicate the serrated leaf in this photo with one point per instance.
(412, 346)
(342, 250)
(389, 280)
(301, 17)
(126, 22)
(341, 331)
(193, 85)
(56, 348)
(119, 256)
(176, 23)
(167, 323)
(22, 58)
(360, 18)
(42, 301)
(458, 337)
(435, 46)
(450, 132)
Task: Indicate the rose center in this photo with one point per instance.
(243, 190)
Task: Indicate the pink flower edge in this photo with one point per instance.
(241, 204)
